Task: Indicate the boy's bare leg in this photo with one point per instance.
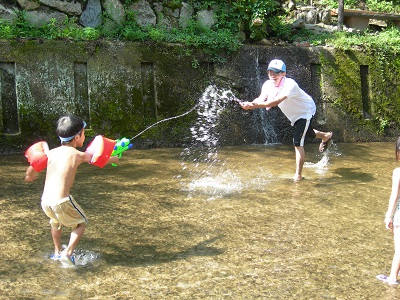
(56, 235)
(300, 158)
(76, 235)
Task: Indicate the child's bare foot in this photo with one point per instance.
(387, 279)
(67, 260)
(297, 178)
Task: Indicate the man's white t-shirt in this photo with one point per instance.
(297, 105)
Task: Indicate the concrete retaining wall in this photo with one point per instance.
(121, 88)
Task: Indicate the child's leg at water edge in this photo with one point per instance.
(396, 257)
(56, 230)
(76, 235)
(66, 257)
(56, 233)
(70, 214)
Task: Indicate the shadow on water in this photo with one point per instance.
(138, 255)
(353, 175)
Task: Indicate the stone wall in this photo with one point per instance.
(107, 13)
(121, 88)
(112, 13)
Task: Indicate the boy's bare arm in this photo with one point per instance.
(87, 157)
(30, 174)
(84, 157)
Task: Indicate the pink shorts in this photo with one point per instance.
(64, 212)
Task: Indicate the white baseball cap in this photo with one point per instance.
(277, 66)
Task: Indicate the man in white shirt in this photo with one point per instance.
(297, 106)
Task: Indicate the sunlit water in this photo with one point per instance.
(209, 222)
(243, 230)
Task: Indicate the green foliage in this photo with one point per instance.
(256, 18)
(383, 124)
(383, 6)
(390, 6)
(334, 3)
(173, 4)
(237, 22)
(6, 31)
(68, 30)
(213, 42)
(385, 41)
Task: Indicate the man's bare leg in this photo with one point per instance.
(300, 158)
(324, 136)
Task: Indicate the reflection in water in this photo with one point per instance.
(154, 234)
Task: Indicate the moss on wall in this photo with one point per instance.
(374, 113)
(122, 88)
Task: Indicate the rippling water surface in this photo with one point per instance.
(162, 226)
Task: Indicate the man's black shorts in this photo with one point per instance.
(302, 129)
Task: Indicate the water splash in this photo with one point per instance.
(216, 186)
(210, 175)
(85, 257)
(82, 257)
(267, 122)
(321, 166)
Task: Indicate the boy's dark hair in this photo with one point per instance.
(68, 127)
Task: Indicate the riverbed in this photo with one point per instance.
(165, 227)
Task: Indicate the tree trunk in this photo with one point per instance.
(340, 14)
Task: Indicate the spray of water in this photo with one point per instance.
(165, 120)
(321, 167)
(210, 175)
(83, 257)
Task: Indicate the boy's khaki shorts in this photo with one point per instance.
(64, 212)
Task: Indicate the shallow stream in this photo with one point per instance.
(162, 226)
